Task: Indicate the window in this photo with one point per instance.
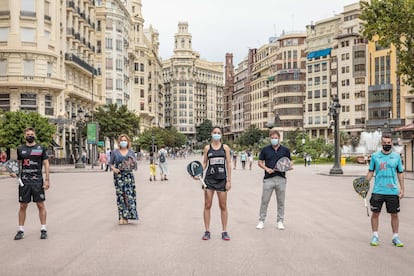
(28, 102)
(5, 102)
(317, 94)
(28, 68)
(3, 67)
(27, 34)
(109, 83)
(49, 69)
(119, 45)
(4, 34)
(28, 5)
(108, 43)
(141, 67)
(142, 94)
(317, 68)
(48, 105)
(309, 107)
(109, 63)
(118, 64)
(324, 66)
(136, 66)
(309, 68)
(119, 84)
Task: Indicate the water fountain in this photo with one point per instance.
(369, 142)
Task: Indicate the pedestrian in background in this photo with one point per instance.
(102, 159)
(234, 156)
(162, 158)
(32, 158)
(250, 157)
(273, 179)
(217, 164)
(108, 157)
(243, 159)
(123, 162)
(388, 188)
(153, 166)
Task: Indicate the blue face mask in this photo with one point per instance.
(274, 142)
(123, 144)
(216, 136)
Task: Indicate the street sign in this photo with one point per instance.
(92, 133)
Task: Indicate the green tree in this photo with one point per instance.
(115, 120)
(160, 137)
(204, 131)
(391, 22)
(250, 136)
(13, 123)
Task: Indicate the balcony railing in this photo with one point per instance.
(74, 58)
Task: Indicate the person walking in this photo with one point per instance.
(389, 172)
(217, 164)
(102, 159)
(243, 159)
(234, 156)
(108, 157)
(250, 157)
(153, 166)
(162, 156)
(123, 162)
(273, 179)
(32, 159)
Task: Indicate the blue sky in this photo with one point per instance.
(220, 26)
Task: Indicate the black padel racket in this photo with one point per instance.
(195, 169)
(361, 186)
(12, 166)
(283, 164)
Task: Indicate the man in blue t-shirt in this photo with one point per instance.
(389, 171)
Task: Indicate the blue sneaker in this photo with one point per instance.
(374, 241)
(206, 236)
(397, 242)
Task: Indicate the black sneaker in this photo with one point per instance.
(225, 236)
(206, 236)
(43, 234)
(19, 235)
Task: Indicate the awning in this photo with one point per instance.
(54, 144)
(405, 128)
(319, 53)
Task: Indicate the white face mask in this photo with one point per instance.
(274, 141)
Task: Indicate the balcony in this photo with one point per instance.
(74, 58)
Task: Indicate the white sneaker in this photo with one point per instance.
(260, 225)
(280, 225)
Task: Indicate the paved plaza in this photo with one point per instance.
(327, 229)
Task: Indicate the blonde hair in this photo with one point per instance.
(127, 137)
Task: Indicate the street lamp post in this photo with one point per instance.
(334, 111)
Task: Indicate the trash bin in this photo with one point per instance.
(343, 161)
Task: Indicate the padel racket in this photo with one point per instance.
(195, 169)
(361, 186)
(12, 166)
(283, 164)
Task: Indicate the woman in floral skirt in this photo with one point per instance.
(123, 162)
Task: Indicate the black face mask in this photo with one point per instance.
(386, 147)
(30, 139)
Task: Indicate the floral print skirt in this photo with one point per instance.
(126, 195)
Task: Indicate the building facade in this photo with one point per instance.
(194, 88)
